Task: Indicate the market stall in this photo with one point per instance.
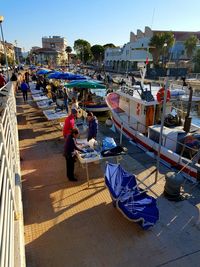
(93, 154)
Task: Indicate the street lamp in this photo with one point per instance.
(1, 20)
(17, 52)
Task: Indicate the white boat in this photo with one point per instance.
(136, 113)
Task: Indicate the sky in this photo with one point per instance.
(96, 21)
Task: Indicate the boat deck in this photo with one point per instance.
(69, 224)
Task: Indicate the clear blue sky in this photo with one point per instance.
(97, 21)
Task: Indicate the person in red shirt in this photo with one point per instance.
(2, 80)
(69, 123)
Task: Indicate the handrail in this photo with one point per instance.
(11, 215)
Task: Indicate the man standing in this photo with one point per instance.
(69, 123)
(70, 153)
(92, 126)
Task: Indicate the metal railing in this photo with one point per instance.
(11, 215)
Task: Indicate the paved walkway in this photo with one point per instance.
(70, 225)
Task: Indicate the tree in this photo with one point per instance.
(68, 50)
(190, 45)
(98, 52)
(109, 46)
(196, 61)
(160, 44)
(83, 49)
(2, 59)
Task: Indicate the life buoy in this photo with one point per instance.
(161, 93)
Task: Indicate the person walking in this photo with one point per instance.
(92, 126)
(70, 150)
(69, 123)
(24, 88)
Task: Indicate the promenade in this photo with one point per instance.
(70, 225)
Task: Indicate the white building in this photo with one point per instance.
(136, 50)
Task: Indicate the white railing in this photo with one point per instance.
(11, 215)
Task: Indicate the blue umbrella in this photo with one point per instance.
(43, 71)
(71, 76)
(128, 198)
(54, 75)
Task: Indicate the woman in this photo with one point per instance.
(70, 151)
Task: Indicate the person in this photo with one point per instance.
(14, 81)
(2, 80)
(24, 88)
(69, 123)
(70, 149)
(65, 97)
(13, 78)
(92, 126)
(74, 103)
(26, 74)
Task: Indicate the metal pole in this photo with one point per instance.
(161, 129)
(4, 47)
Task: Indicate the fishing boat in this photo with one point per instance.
(136, 114)
(90, 93)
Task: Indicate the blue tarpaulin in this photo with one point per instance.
(131, 201)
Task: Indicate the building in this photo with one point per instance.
(18, 54)
(52, 52)
(46, 56)
(126, 57)
(137, 49)
(58, 44)
(9, 52)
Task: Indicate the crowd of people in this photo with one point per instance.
(21, 82)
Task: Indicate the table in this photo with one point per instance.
(44, 104)
(39, 97)
(51, 114)
(96, 159)
(36, 92)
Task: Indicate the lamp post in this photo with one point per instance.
(17, 52)
(4, 47)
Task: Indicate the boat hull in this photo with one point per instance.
(172, 159)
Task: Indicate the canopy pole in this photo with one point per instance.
(161, 128)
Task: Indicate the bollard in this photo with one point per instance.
(173, 186)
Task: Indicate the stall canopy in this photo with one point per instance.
(128, 198)
(91, 84)
(66, 76)
(43, 71)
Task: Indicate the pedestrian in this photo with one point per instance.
(2, 80)
(13, 79)
(69, 123)
(70, 150)
(92, 126)
(24, 88)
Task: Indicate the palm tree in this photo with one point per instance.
(68, 50)
(190, 45)
(160, 44)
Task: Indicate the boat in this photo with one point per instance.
(136, 114)
(90, 93)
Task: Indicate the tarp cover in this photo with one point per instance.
(134, 203)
